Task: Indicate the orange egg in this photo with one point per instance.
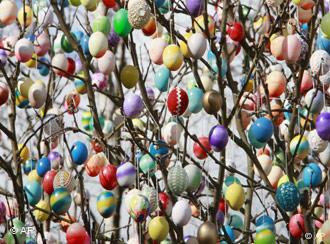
(150, 27)
(277, 47)
(95, 163)
(276, 83)
(65, 224)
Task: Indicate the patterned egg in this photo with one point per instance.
(152, 196)
(322, 125)
(133, 105)
(121, 24)
(139, 208)
(33, 192)
(212, 101)
(54, 122)
(158, 228)
(171, 133)
(316, 143)
(85, 120)
(172, 57)
(197, 45)
(126, 174)
(8, 12)
(98, 44)
(314, 99)
(64, 179)
(79, 153)
(195, 96)
(181, 213)
(161, 79)
(59, 64)
(60, 200)
(177, 179)
(147, 164)
(156, 49)
(107, 177)
(276, 83)
(37, 95)
(177, 101)
(107, 63)
(90, 5)
(319, 62)
(287, 196)
(129, 76)
(139, 13)
(106, 204)
(235, 196)
(300, 150)
(39, 214)
(23, 50)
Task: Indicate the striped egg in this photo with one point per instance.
(106, 203)
(60, 200)
(80, 86)
(126, 174)
(64, 179)
(85, 120)
(301, 150)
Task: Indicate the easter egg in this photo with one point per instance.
(181, 213)
(197, 45)
(156, 49)
(8, 12)
(42, 44)
(122, 26)
(106, 204)
(212, 102)
(195, 96)
(138, 13)
(42, 66)
(53, 122)
(207, 233)
(101, 24)
(325, 25)
(319, 62)
(235, 196)
(37, 95)
(229, 231)
(3, 56)
(84, 43)
(107, 63)
(95, 163)
(236, 31)
(23, 50)
(265, 237)
(147, 164)
(266, 164)
(265, 222)
(139, 208)
(59, 64)
(33, 175)
(301, 150)
(322, 236)
(113, 38)
(64, 179)
(218, 138)
(150, 27)
(274, 175)
(133, 105)
(47, 182)
(109, 3)
(72, 101)
(200, 25)
(172, 57)
(152, 195)
(161, 79)
(287, 196)
(316, 143)
(25, 16)
(20, 234)
(65, 44)
(314, 100)
(24, 152)
(166, 203)
(75, 3)
(177, 101)
(177, 179)
(43, 166)
(276, 83)
(171, 133)
(129, 76)
(29, 165)
(33, 192)
(79, 153)
(312, 175)
(201, 151)
(107, 177)
(39, 214)
(60, 200)
(76, 233)
(4, 93)
(262, 129)
(292, 48)
(194, 175)
(90, 5)
(126, 174)
(158, 228)
(323, 42)
(195, 7)
(97, 44)
(322, 126)
(297, 225)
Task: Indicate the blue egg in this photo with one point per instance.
(165, 7)
(288, 196)
(158, 149)
(161, 79)
(287, 106)
(301, 186)
(29, 165)
(212, 60)
(84, 44)
(195, 96)
(31, 37)
(254, 142)
(79, 35)
(33, 192)
(229, 232)
(323, 43)
(42, 68)
(312, 175)
(64, 3)
(159, 3)
(235, 221)
(79, 153)
(265, 222)
(43, 166)
(304, 27)
(262, 129)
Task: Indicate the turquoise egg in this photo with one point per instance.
(84, 44)
(158, 149)
(254, 142)
(165, 7)
(162, 77)
(33, 192)
(29, 165)
(211, 59)
(195, 96)
(147, 164)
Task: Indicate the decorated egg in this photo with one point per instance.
(274, 175)
(197, 45)
(126, 174)
(156, 49)
(59, 64)
(172, 57)
(177, 101)
(20, 235)
(195, 7)
(161, 79)
(262, 129)
(41, 213)
(236, 31)
(235, 196)
(72, 101)
(218, 138)
(75, 3)
(292, 49)
(25, 16)
(37, 95)
(276, 83)
(152, 195)
(33, 192)
(207, 233)
(314, 100)
(122, 26)
(177, 179)
(64, 179)
(306, 82)
(139, 13)
(312, 175)
(287, 196)
(106, 204)
(97, 44)
(319, 62)
(4, 93)
(150, 27)
(8, 12)
(47, 182)
(158, 228)
(139, 208)
(147, 164)
(43, 166)
(301, 150)
(194, 175)
(158, 149)
(33, 175)
(324, 25)
(79, 153)
(3, 56)
(212, 102)
(181, 213)
(316, 143)
(265, 237)
(90, 5)
(265, 222)
(107, 63)
(322, 126)
(200, 151)
(60, 200)
(297, 225)
(133, 105)
(129, 76)
(266, 164)
(23, 50)
(95, 163)
(29, 165)
(200, 25)
(101, 24)
(166, 203)
(171, 133)
(24, 152)
(195, 96)
(76, 233)
(107, 177)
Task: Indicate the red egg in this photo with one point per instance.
(109, 3)
(4, 93)
(47, 182)
(107, 177)
(248, 101)
(76, 233)
(223, 207)
(65, 224)
(297, 225)
(97, 146)
(71, 67)
(177, 101)
(276, 82)
(150, 27)
(306, 82)
(72, 101)
(236, 31)
(165, 203)
(199, 151)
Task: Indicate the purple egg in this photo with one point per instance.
(133, 105)
(323, 126)
(220, 218)
(218, 138)
(55, 159)
(150, 93)
(3, 57)
(195, 7)
(113, 38)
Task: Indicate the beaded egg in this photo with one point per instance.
(139, 208)
(126, 174)
(60, 200)
(139, 13)
(177, 179)
(287, 196)
(106, 204)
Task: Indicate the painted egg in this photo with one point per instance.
(64, 179)
(39, 214)
(195, 7)
(25, 16)
(75, 3)
(29, 165)
(200, 25)
(84, 43)
(122, 26)
(33, 192)
(235, 196)
(276, 83)
(158, 228)
(177, 179)
(319, 62)
(195, 96)
(322, 236)
(183, 45)
(90, 5)
(76, 233)
(139, 13)
(171, 133)
(47, 182)
(53, 121)
(151, 27)
(23, 50)
(133, 105)
(207, 82)
(323, 42)
(194, 177)
(152, 195)
(262, 129)
(312, 175)
(166, 203)
(292, 49)
(156, 49)
(106, 204)
(65, 43)
(43, 166)
(60, 200)
(325, 25)
(314, 100)
(177, 101)
(181, 213)
(300, 150)
(43, 67)
(172, 57)
(79, 153)
(161, 79)
(304, 15)
(20, 236)
(265, 222)
(129, 76)
(95, 163)
(101, 24)
(126, 174)
(266, 164)
(322, 126)
(316, 143)
(4, 93)
(288, 196)
(37, 95)
(107, 177)
(107, 63)
(274, 175)
(59, 64)
(33, 175)
(212, 102)
(218, 138)
(147, 164)
(158, 149)
(72, 101)
(297, 225)
(265, 237)
(236, 31)
(139, 208)
(197, 45)
(109, 3)
(8, 12)
(200, 151)
(98, 44)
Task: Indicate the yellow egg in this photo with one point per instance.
(158, 228)
(172, 57)
(138, 124)
(235, 196)
(129, 76)
(32, 63)
(39, 214)
(25, 153)
(28, 16)
(183, 45)
(33, 175)
(284, 179)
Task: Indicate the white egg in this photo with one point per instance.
(316, 143)
(181, 213)
(37, 95)
(197, 45)
(107, 63)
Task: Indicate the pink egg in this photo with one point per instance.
(306, 82)
(23, 50)
(319, 223)
(277, 47)
(9, 43)
(156, 49)
(292, 49)
(107, 63)
(248, 101)
(297, 225)
(42, 44)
